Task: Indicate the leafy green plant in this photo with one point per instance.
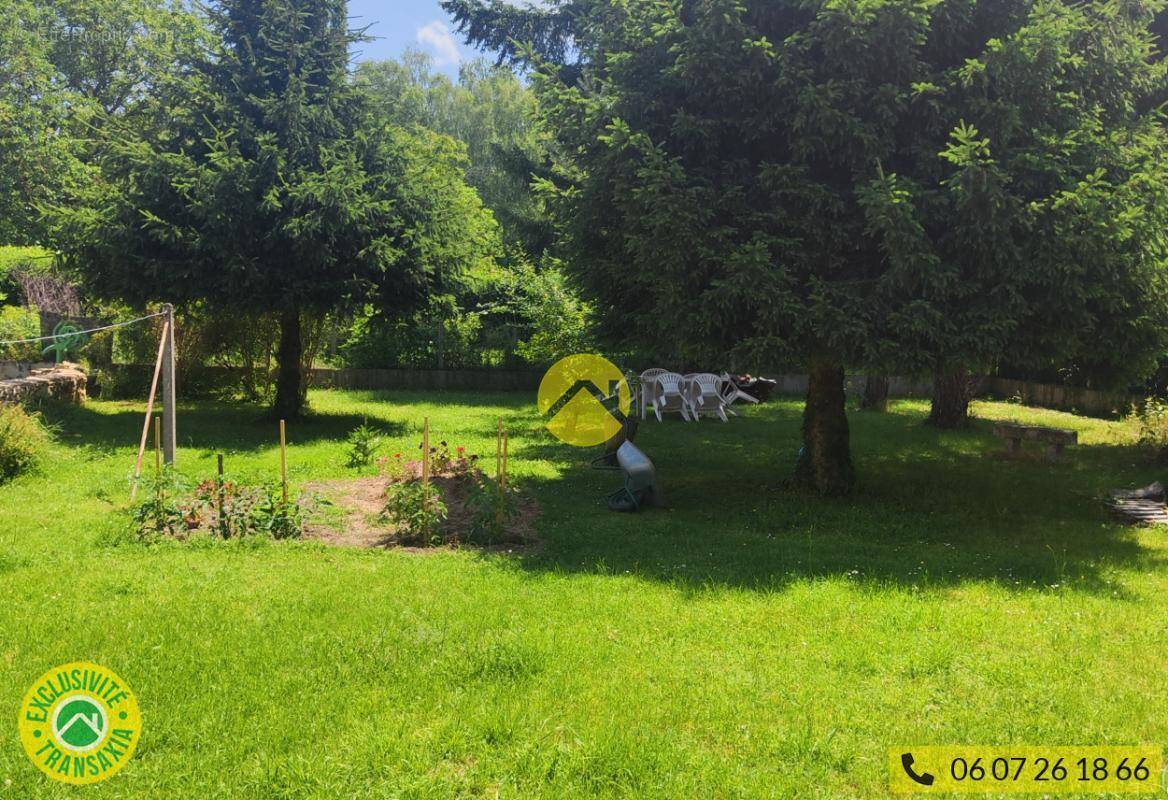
(24, 438)
(493, 507)
(19, 323)
(418, 510)
(160, 513)
(276, 517)
(1151, 423)
(363, 442)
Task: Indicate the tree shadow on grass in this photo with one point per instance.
(204, 426)
(933, 510)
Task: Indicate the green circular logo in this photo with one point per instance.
(79, 723)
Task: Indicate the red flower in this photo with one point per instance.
(397, 455)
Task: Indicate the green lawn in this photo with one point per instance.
(750, 641)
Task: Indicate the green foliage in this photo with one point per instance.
(787, 195)
(171, 509)
(521, 34)
(493, 508)
(19, 323)
(160, 514)
(64, 67)
(276, 517)
(557, 322)
(441, 335)
(363, 443)
(18, 260)
(24, 441)
(1151, 425)
(891, 185)
(490, 111)
(418, 510)
(263, 172)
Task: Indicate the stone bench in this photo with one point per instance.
(1054, 438)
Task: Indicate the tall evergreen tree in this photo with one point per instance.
(897, 184)
(264, 184)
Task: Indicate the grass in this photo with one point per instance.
(750, 641)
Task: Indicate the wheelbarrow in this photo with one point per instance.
(640, 481)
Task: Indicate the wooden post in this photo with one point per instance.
(169, 436)
(149, 411)
(223, 531)
(426, 463)
(506, 441)
(157, 445)
(283, 462)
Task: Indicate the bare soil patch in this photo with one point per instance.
(357, 521)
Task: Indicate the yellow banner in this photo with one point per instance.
(1010, 768)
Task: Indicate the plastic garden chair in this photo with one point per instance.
(732, 394)
(648, 385)
(667, 396)
(704, 394)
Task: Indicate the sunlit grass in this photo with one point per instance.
(750, 641)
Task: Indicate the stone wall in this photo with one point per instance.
(33, 382)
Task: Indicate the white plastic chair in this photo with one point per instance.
(732, 394)
(668, 396)
(648, 387)
(704, 395)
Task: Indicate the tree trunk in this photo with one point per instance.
(875, 396)
(952, 391)
(825, 462)
(289, 398)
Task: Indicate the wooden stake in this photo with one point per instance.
(506, 441)
(169, 436)
(426, 464)
(283, 462)
(158, 444)
(223, 531)
(499, 450)
(149, 412)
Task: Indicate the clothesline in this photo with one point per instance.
(82, 333)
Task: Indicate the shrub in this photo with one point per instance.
(23, 441)
(1152, 427)
(19, 323)
(418, 510)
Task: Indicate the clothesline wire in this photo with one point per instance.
(82, 333)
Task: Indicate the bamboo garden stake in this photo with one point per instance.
(506, 442)
(283, 463)
(221, 492)
(149, 411)
(426, 464)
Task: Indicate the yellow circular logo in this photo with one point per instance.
(585, 398)
(79, 723)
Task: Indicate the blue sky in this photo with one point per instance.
(400, 24)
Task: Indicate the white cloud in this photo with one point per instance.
(437, 37)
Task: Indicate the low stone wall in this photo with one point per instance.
(64, 382)
(19, 369)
